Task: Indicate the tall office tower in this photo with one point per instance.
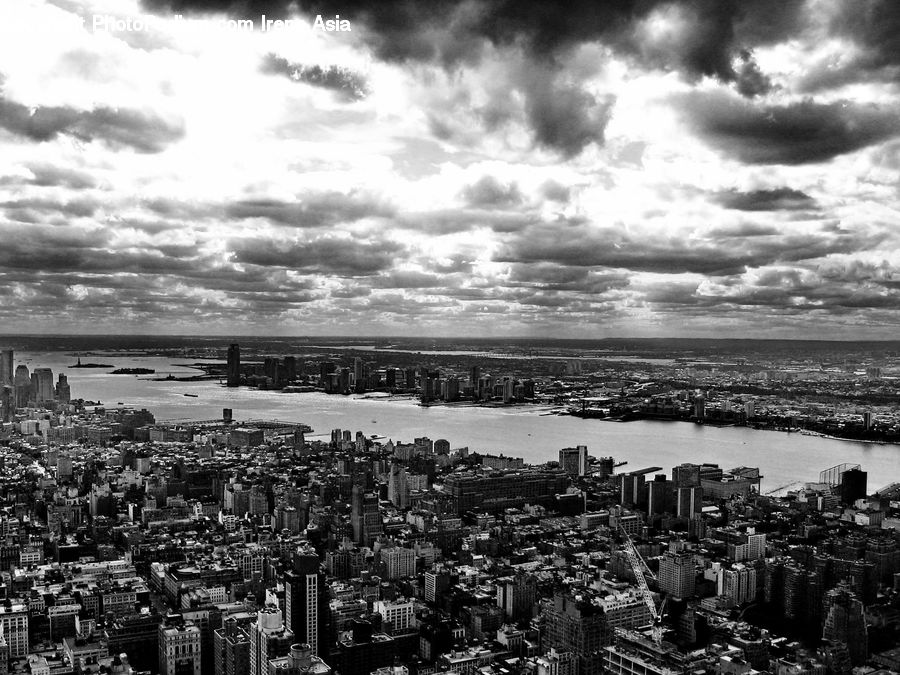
(344, 380)
(359, 375)
(853, 485)
(659, 495)
(326, 368)
(516, 596)
(179, 649)
(306, 601)
(606, 466)
(845, 622)
(689, 501)
(700, 407)
(269, 639)
(270, 368)
(474, 376)
(22, 386)
(632, 489)
(365, 516)
(7, 403)
(6, 367)
(574, 460)
(63, 392)
(451, 389)
(677, 574)
(231, 645)
(290, 368)
(234, 365)
(398, 487)
(42, 384)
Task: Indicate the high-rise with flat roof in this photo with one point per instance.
(179, 649)
(22, 386)
(42, 385)
(269, 639)
(677, 574)
(234, 365)
(6, 367)
(305, 601)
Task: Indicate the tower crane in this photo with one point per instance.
(638, 566)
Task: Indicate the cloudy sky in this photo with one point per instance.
(464, 167)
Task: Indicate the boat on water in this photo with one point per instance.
(191, 395)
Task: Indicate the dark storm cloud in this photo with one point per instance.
(798, 133)
(344, 82)
(143, 132)
(324, 255)
(489, 192)
(564, 117)
(711, 35)
(313, 210)
(779, 199)
(610, 247)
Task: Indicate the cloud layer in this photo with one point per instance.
(694, 168)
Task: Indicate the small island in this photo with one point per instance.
(91, 365)
(133, 371)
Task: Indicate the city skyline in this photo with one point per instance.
(653, 169)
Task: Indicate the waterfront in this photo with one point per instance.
(523, 431)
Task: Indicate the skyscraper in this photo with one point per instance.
(853, 485)
(234, 365)
(63, 392)
(398, 486)
(365, 517)
(7, 403)
(42, 385)
(677, 574)
(845, 622)
(574, 460)
(516, 596)
(269, 639)
(6, 367)
(305, 601)
(22, 385)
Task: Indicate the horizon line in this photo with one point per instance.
(358, 337)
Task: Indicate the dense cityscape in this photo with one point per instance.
(226, 546)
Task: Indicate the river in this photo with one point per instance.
(520, 431)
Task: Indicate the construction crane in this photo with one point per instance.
(638, 566)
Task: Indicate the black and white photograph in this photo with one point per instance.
(449, 337)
